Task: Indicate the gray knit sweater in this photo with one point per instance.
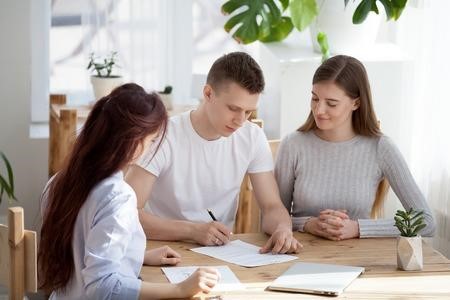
(314, 174)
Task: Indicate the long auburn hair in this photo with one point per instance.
(349, 74)
(116, 126)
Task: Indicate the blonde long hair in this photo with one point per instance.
(350, 75)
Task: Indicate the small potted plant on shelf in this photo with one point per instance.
(166, 97)
(103, 79)
(409, 243)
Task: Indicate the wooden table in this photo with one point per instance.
(381, 279)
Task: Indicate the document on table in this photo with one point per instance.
(243, 254)
(228, 280)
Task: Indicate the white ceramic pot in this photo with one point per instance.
(409, 253)
(344, 37)
(104, 85)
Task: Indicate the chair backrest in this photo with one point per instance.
(18, 266)
(63, 126)
(248, 216)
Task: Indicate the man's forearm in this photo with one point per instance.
(157, 228)
(276, 218)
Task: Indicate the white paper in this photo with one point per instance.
(243, 254)
(228, 280)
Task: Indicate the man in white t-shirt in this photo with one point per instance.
(202, 161)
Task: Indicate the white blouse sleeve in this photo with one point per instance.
(105, 247)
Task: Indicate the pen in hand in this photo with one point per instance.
(211, 215)
(214, 217)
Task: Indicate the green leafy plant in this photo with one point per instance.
(273, 20)
(322, 40)
(167, 90)
(409, 222)
(393, 8)
(7, 184)
(103, 66)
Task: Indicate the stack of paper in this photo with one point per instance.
(228, 280)
(243, 254)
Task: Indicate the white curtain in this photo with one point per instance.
(423, 33)
(153, 39)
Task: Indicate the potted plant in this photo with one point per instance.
(6, 184)
(103, 80)
(409, 243)
(166, 97)
(272, 21)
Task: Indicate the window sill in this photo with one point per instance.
(39, 130)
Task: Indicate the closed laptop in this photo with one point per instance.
(314, 278)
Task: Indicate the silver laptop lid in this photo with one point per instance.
(316, 278)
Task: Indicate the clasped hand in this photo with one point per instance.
(333, 224)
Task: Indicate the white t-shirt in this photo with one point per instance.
(194, 174)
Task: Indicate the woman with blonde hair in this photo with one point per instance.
(332, 171)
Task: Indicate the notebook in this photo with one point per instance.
(313, 278)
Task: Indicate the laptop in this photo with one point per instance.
(313, 278)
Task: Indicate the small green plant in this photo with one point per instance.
(409, 222)
(322, 40)
(7, 184)
(167, 90)
(103, 66)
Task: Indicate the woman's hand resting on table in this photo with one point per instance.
(333, 225)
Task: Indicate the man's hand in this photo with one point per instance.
(211, 234)
(161, 256)
(282, 241)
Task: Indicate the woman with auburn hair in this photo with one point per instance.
(92, 245)
(332, 171)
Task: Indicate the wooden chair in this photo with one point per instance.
(18, 267)
(63, 126)
(248, 216)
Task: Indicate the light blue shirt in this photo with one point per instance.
(108, 244)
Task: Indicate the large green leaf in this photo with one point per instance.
(284, 4)
(260, 20)
(362, 11)
(9, 170)
(397, 8)
(303, 13)
(280, 31)
(388, 8)
(7, 185)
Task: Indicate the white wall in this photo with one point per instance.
(19, 69)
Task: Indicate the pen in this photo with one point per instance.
(211, 215)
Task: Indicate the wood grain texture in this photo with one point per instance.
(18, 256)
(16, 253)
(381, 280)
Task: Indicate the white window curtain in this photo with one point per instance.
(153, 39)
(423, 34)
